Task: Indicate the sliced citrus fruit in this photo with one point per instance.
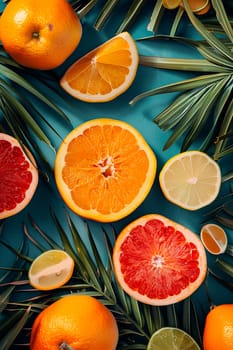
(214, 238)
(199, 7)
(171, 338)
(51, 269)
(158, 261)
(171, 4)
(75, 322)
(104, 169)
(18, 176)
(191, 180)
(33, 32)
(218, 328)
(105, 72)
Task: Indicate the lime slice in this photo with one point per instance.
(50, 270)
(169, 338)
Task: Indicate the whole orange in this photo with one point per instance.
(40, 34)
(218, 330)
(77, 322)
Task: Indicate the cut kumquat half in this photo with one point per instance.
(105, 72)
(214, 238)
(191, 180)
(104, 169)
(51, 269)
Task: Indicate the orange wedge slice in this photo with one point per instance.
(50, 270)
(104, 73)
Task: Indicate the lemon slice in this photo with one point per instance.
(191, 180)
(170, 338)
(50, 270)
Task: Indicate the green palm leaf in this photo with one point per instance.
(93, 276)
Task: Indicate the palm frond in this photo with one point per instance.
(93, 276)
(205, 99)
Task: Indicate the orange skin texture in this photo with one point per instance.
(218, 330)
(40, 34)
(80, 321)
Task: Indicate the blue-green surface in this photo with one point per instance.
(140, 116)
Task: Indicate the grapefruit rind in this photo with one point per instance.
(92, 213)
(171, 299)
(115, 92)
(32, 168)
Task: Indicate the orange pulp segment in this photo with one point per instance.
(104, 169)
(105, 72)
(214, 238)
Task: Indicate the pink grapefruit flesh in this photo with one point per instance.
(158, 261)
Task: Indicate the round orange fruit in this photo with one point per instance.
(75, 322)
(104, 169)
(40, 34)
(18, 176)
(104, 73)
(158, 261)
(218, 330)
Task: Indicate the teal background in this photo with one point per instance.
(140, 116)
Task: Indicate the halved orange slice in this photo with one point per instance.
(105, 72)
(104, 169)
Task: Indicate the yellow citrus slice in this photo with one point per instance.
(171, 4)
(200, 7)
(214, 238)
(104, 169)
(171, 338)
(158, 261)
(50, 270)
(191, 180)
(105, 72)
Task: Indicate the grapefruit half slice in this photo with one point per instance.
(18, 176)
(158, 261)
